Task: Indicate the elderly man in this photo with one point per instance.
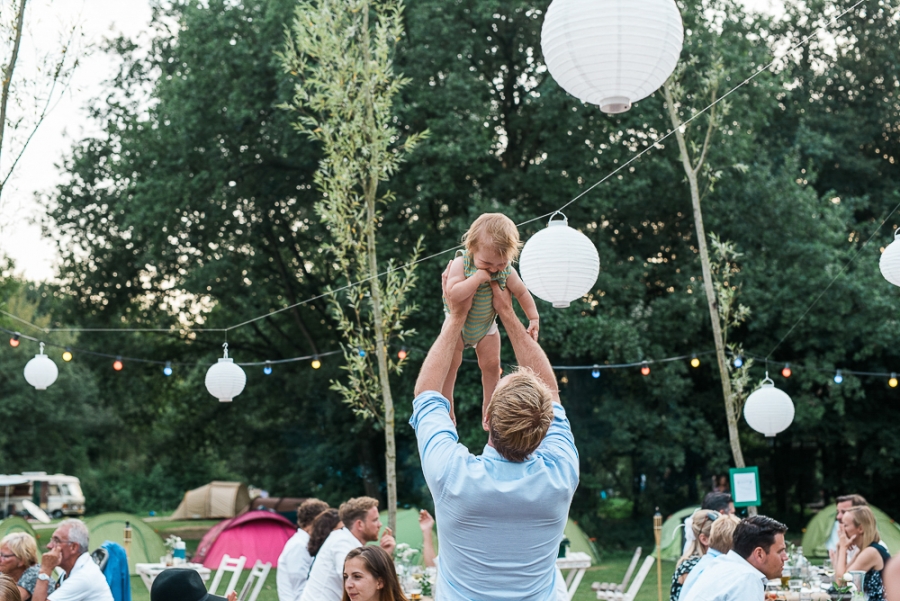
(68, 550)
(361, 526)
(500, 515)
(294, 561)
(758, 556)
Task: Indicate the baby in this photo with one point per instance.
(492, 244)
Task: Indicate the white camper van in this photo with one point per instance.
(57, 494)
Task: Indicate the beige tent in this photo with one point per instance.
(215, 500)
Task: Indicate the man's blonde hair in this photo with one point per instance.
(495, 231)
(520, 413)
(356, 509)
(721, 535)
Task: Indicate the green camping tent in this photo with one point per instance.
(818, 530)
(408, 532)
(672, 540)
(146, 545)
(16, 524)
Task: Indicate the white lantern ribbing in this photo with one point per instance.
(41, 371)
(559, 264)
(225, 380)
(769, 410)
(612, 52)
(890, 261)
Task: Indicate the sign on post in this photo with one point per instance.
(745, 486)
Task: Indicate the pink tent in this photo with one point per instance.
(255, 535)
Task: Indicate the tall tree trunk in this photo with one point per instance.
(8, 73)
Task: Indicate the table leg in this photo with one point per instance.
(575, 577)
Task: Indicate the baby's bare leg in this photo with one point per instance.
(450, 380)
(488, 351)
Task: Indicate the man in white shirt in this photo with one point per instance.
(758, 555)
(294, 561)
(68, 550)
(361, 526)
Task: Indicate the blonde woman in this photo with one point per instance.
(701, 524)
(858, 530)
(721, 541)
(18, 560)
(8, 589)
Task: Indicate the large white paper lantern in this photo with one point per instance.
(890, 261)
(225, 380)
(41, 371)
(769, 410)
(612, 53)
(559, 264)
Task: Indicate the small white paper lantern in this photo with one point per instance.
(769, 410)
(559, 264)
(890, 261)
(612, 53)
(225, 380)
(41, 371)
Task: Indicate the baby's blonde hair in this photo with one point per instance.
(496, 231)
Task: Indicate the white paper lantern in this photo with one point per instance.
(890, 261)
(225, 380)
(41, 371)
(769, 410)
(612, 52)
(559, 264)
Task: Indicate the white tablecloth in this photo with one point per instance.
(149, 571)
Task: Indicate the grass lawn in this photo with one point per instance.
(611, 569)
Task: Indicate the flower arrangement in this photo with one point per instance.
(172, 542)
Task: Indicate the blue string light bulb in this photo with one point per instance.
(738, 362)
(362, 353)
(838, 378)
(267, 369)
(596, 372)
(167, 370)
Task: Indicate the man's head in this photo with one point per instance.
(718, 501)
(845, 502)
(180, 584)
(71, 538)
(360, 517)
(308, 511)
(760, 540)
(721, 535)
(519, 414)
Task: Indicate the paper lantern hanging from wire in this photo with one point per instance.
(225, 380)
(611, 53)
(769, 410)
(41, 371)
(559, 264)
(889, 263)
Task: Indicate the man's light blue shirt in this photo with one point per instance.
(499, 522)
(705, 562)
(728, 578)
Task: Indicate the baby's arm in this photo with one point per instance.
(517, 287)
(459, 287)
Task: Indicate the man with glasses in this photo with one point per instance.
(68, 550)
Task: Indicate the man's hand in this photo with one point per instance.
(51, 560)
(502, 298)
(387, 541)
(460, 307)
(426, 522)
(534, 326)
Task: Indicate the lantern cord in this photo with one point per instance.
(833, 280)
(759, 71)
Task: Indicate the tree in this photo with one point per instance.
(346, 90)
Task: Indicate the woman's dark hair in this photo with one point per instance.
(322, 526)
(756, 531)
(381, 566)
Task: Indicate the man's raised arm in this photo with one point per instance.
(440, 356)
(528, 352)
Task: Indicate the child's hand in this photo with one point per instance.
(483, 275)
(533, 326)
(426, 522)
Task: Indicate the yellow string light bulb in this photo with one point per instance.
(67, 355)
(695, 362)
(316, 364)
(893, 381)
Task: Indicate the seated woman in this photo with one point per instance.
(369, 575)
(19, 561)
(858, 530)
(721, 541)
(701, 524)
(323, 525)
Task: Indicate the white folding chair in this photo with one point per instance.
(228, 564)
(255, 581)
(606, 589)
(636, 583)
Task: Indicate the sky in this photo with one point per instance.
(35, 256)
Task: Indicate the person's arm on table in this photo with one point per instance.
(528, 352)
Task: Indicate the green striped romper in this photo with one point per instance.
(482, 315)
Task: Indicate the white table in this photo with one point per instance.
(149, 571)
(577, 563)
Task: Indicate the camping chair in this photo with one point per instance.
(635, 585)
(258, 574)
(228, 564)
(605, 589)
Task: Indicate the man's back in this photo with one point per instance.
(293, 567)
(326, 580)
(499, 522)
(728, 578)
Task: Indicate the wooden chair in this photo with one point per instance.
(255, 581)
(605, 589)
(636, 584)
(228, 564)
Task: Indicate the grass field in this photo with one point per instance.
(611, 569)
